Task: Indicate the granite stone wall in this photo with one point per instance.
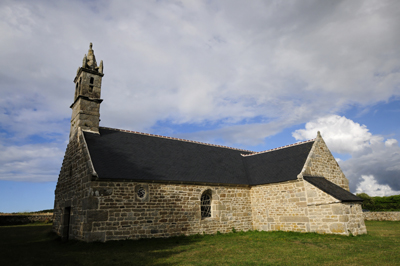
(167, 210)
(321, 162)
(281, 206)
(300, 206)
(74, 180)
(85, 115)
(328, 215)
(381, 216)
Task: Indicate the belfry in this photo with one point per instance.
(86, 105)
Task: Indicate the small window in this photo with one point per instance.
(205, 204)
(91, 80)
(141, 192)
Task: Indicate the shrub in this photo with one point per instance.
(389, 203)
(368, 202)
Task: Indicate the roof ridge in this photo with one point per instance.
(172, 138)
(279, 148)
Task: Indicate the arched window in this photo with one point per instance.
(205, 204)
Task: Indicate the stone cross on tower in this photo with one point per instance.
(86, 105)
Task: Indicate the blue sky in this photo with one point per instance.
(247, 74)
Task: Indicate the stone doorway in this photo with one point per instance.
(66, 223)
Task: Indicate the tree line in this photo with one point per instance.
(378, 204)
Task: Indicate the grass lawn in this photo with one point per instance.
(37, 245)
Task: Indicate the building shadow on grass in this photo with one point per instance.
(38, 245)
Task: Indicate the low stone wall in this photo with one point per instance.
(381, 216)
(24, 219)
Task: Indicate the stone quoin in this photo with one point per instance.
(117, 184)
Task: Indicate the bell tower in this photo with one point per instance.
(86, 105)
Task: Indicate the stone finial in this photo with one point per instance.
(319, 135)
(91, 59)
(101, 67)
(84, 61)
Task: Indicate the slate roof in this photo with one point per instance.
(143, 157)
(332, 189)
(123, 155)
(277, 165)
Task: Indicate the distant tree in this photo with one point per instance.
(42, 211)
(389, 203)
(368, 203)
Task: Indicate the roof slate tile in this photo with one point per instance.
(123, 154)
(332, 189)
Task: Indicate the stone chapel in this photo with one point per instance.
(118, 184)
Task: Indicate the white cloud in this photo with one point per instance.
(32, 163)
(391, 143)
(380, 161)
(195, 62)
(249, 69)
(371, 155)
(342, 135)
(371, 187)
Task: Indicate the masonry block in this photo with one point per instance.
(90, 203)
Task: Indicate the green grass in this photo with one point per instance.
(37, 245)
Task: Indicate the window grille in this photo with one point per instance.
(141, 192)
(206, 204)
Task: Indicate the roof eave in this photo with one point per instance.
(110, 179)
(87, 152)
